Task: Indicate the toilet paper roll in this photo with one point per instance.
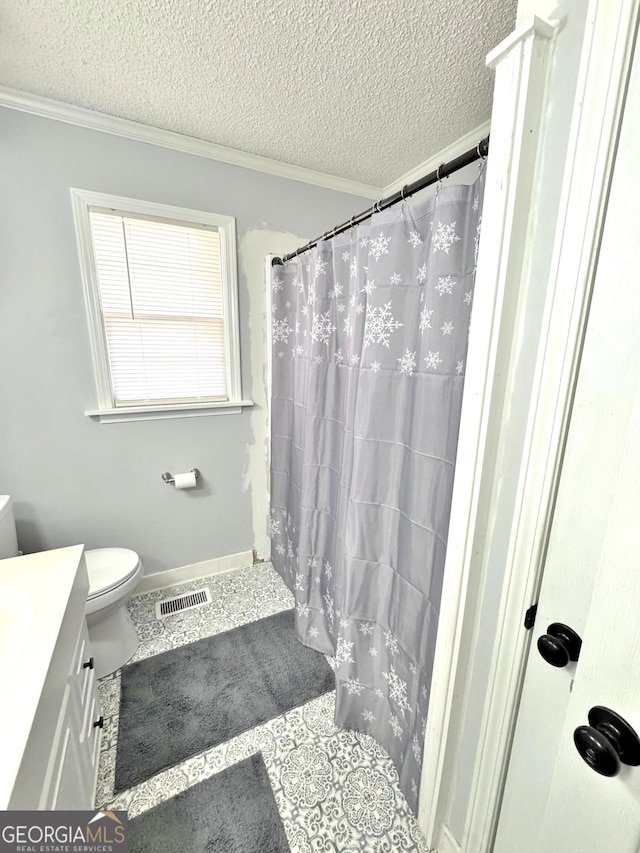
(185, 481)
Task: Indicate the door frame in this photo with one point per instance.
(488, 441)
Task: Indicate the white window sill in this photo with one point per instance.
(149, 413)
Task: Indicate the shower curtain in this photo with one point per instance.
(369, 345)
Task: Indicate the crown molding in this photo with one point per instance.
(449, 153)
(48, 108)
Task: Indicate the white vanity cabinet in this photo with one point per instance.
(69, 779)
(51, 701)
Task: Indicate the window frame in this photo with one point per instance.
(82, 201)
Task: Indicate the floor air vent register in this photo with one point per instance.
(188, 601)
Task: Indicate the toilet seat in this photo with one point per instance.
(109, 568)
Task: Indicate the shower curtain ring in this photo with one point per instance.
(439, 180)
(482, 157)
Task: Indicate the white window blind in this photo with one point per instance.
(162, 300)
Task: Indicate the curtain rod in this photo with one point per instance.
(443, 171)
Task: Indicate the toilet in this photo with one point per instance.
(114, 573)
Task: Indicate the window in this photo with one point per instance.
(161, 296)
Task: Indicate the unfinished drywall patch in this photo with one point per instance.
(255, 245)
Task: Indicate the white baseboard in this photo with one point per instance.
(448, 844)
(182, 574)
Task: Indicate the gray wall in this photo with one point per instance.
(74, 480)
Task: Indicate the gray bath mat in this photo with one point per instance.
(232, 812)
(181, 702)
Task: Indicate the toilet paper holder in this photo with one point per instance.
(169, 478)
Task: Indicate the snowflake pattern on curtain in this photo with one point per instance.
(369, 335)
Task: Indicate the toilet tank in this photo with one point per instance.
(8, 539)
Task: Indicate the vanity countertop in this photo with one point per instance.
(36, 591)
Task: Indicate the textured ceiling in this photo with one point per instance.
(362, 89)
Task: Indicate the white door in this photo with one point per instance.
(587, 811)
(553, 801)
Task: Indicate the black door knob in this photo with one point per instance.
(607, 742)
(559, 645)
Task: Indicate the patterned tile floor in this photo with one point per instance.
(336, 790)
